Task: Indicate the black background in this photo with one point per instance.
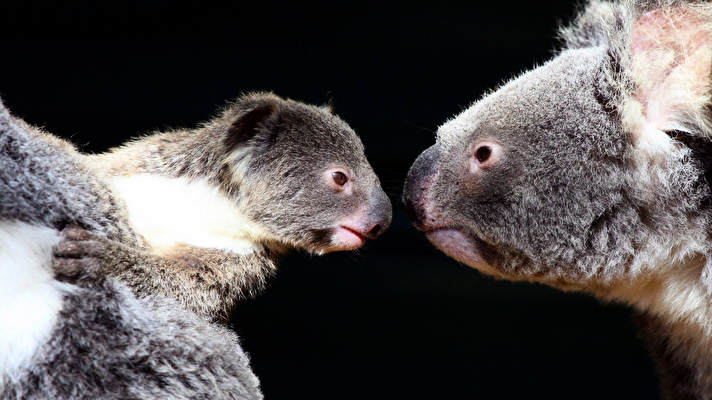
(396, 319)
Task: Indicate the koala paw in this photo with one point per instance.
(80, 255)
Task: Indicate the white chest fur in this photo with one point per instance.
(29, 296)
(675, 295)
(170, 211)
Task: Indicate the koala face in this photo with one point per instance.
(541, 181)
(513, 185)
(305, 178)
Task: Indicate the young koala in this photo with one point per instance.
(217, 205)
(64, 341)
(593, 173)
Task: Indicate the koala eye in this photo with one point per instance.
(483, 153)
(339, 178)
(486, 155)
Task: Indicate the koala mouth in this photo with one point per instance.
(346, 238)
(463, 247)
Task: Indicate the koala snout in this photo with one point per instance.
(379, 215)
(368, 222)
(417, 185)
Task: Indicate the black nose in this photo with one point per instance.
(375, 231)
(380, 215)
(410, 209)
(417, 182)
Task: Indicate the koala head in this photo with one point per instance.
(588, 170)
(299, 172)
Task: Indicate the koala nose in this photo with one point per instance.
(380, 214)
(410, 209)
(417, 184)
(375, 231)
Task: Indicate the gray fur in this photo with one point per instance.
(106, 343)
(266, 155)
(29, 154)
(109, 345)
(573, 202)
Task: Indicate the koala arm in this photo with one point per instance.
(205, 281)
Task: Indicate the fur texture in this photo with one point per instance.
(592, 172)
(30, 295)
(96, 340)
(29, 153)
(107, 344)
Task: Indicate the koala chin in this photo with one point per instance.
(592, 172)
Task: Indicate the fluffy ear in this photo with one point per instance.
(592, 26)
(251, 113)
(671, 70)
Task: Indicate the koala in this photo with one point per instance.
(216, 206)
(62, 340)
(592, 173)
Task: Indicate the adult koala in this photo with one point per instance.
(592, 173)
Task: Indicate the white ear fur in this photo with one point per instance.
(671, 68)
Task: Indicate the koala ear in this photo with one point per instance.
(250, 114)
(671, 66)
(591, 27)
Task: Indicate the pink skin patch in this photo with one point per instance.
(345, 238)
(677, 29)
(672, 61)
(350, 233)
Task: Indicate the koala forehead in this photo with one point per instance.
(317, 136)
(560, 102)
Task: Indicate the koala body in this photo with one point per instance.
(591, 173)
(66, 341)
(217, 205)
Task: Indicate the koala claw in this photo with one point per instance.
(68, 270)
(73, 232)
(78, 255)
